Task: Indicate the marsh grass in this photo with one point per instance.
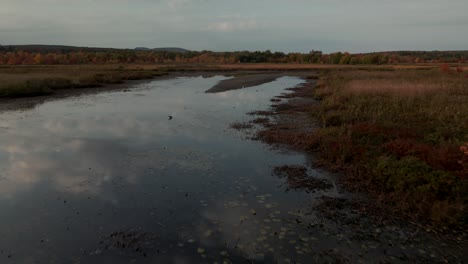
(400, 135)
(31, 80)
(20, 81)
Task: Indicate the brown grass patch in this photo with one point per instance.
(395, 87)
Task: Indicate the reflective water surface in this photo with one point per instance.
(154, 174)
(108, 178)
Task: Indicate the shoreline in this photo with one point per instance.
(293, 121)
(253, 77)
(287, 125)
(244, 81)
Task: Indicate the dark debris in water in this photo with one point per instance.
(241, 126)
(134, 242)
(297, 178)
(261, 113)
(354, 211)
(261, 121)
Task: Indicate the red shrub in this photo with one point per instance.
(445, 68)
(400, 147)
(444, 157)
(366, 129)
(464, 160)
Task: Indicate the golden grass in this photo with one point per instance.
(395, 87)
(406, 82)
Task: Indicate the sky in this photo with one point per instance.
(229, 25)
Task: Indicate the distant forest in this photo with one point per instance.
(50, 55)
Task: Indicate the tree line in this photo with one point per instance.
(116, 56)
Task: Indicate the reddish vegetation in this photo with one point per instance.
(445, 68)
(413, 163)
(444, 157)
(464, 160)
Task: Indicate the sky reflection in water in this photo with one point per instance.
(80, 175)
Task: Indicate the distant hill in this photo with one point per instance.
(51, 48)
(167, 49)
(65, 49)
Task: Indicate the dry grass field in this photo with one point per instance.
(401, 135)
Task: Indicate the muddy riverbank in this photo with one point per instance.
(356, 218)
(238, 79)
(244, 81)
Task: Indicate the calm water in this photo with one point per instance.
(108, 178)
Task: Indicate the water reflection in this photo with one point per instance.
(79, 176)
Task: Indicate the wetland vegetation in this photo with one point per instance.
(375, 162)
(400, 135)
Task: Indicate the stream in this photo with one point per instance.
(155, 174)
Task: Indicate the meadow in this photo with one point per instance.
(401, 135)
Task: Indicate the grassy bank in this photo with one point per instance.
(21, 81)
(33, 80)
(399, 134)
(402, 135)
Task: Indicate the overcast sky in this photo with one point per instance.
(279, 25)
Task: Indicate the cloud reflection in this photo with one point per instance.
(79, 145)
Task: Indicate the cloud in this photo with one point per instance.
(173, 4)
(296, 25)
(237, 23)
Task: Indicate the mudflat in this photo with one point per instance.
(244, 81)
